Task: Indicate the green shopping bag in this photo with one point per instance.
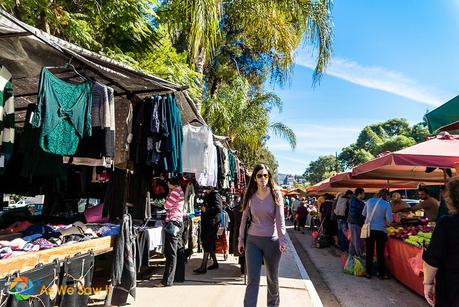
(359, 268)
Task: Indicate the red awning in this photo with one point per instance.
(421, 162)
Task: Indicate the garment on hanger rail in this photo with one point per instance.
(63, 113)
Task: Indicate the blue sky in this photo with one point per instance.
(391, 59)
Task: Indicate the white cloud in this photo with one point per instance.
(379, 78)
(319, 139)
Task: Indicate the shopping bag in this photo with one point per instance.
(349, 266)
(343, 259)
(348, 234)
(416, 264)
(314, 234)
(359, 268)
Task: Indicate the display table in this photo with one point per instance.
(398, 261)
(30, 260)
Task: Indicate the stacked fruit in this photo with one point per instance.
(416, 235)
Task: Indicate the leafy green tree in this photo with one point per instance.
(391, 135)
(353, 155)
(322, 168)
(420, 132)
(396, 143)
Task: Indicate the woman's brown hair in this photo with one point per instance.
(452, 196)
(252, 187)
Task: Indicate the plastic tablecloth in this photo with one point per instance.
(400, 264)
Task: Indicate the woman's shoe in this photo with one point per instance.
(213, 266)
(367, 276)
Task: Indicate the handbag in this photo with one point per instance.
(247, 224)
(172, 229)
(365, 232)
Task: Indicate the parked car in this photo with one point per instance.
(411, 202)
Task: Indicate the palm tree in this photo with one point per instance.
(275, 27)
(243, 116)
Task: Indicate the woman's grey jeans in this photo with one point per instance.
(256, 250)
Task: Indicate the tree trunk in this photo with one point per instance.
(17, 10)
(45, 23)
(199, 68)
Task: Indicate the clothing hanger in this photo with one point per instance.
(66, 66)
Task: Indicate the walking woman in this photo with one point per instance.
(210, 220)
(174, 228)
(263, 206)
(441, 259)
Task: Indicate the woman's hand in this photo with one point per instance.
(240, 248)
(429, 294)
(283, 247)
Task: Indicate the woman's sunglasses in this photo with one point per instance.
(262, 175)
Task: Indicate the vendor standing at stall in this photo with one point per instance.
(429, 204)
(174, 227)
(210, 220)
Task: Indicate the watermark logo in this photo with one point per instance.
(22, 288)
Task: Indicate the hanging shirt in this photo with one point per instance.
(6, 116)
(63, 113)
(196, 148)
(99, 148)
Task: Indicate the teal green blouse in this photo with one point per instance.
(63, 113)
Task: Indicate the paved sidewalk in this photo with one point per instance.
(225, 287)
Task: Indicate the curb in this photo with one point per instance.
(315, 299)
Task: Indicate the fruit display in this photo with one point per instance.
(415, 235)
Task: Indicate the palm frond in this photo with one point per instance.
(282, 131)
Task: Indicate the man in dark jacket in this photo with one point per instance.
(356, 221)
(210, 220)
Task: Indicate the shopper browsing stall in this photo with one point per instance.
(174, 227)
(263, 206)
(210, 220)
(442, 255)
(378, 215)
(355, 220)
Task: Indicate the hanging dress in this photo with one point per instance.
(63, 113)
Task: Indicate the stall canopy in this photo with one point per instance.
(345, 180)
(24, 50)
(445, 117)
(430, 161)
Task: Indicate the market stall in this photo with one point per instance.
(400, 261)
(404, 253)
(87, 176)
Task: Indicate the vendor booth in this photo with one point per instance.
(97, 139)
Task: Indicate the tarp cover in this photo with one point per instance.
(445, 117)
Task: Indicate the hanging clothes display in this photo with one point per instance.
(124, 273)
(197, 142)
(157, 134)
(173, 156)
(232, 168)
(63, 113)
(199, 154)
(190, 198)
(99, 148)
(6, 117)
